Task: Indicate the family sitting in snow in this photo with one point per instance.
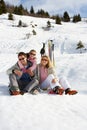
(26, 76)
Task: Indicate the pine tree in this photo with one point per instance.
(20, 23)
(66, 17)
(2, 7)
(42, 13)
(10, 16)
(47, 14)
(48, 24)
(58, 20)
(20, 10)
(79, 17)
(15, 10)
(34, 32)
(80, 46)
(76, 18)
(32, 10)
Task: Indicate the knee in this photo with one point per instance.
(12, 75)
(51, 76)
(36, 81)
(62, 79)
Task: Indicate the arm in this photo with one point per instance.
(33, 67)
(25, 76)
(34, 64)
(37, 72)
(52, 71)
(11, 69)
(24, 73)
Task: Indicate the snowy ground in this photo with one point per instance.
(43, 112)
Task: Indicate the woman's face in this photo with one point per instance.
(44, 61)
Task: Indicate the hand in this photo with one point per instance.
(54, 80)
(30, 72)
(18, 72)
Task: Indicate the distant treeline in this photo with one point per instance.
(20, 10)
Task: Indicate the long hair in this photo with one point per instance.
(49, 64)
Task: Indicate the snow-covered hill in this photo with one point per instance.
(43, 112)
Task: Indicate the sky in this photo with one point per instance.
(73, 7)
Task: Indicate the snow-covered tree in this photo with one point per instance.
(80, 46)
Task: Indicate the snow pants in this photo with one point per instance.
(46, 84)
(19, 85)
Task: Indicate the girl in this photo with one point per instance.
(32, 58)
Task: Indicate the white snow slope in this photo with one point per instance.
(43, 111)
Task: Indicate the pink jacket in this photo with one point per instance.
(32, 68)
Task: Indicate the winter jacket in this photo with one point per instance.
(33, 67)
(50, 71)
(25, 75)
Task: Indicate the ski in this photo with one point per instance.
(51, 51)
(53, 60)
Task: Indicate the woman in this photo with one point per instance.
(47, 78)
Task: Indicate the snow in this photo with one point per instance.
(43, 111)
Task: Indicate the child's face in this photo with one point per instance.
(32, 54)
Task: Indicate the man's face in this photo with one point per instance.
(23, 59)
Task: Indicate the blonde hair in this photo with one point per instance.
(49, 64)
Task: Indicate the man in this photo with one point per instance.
(21, 76)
